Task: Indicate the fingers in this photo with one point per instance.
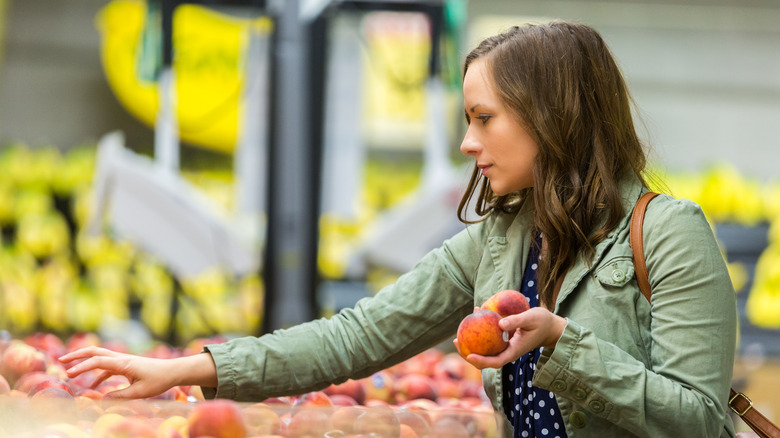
(102, 377)
(85, 353)
(100, 363)
(519, 321)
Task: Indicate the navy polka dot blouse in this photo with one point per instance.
(532, 411)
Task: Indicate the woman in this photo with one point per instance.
(558, 168)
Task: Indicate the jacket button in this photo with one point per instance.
(559, 385)
(596, 406)
(580, 394)
(578, 419)
(618, 275)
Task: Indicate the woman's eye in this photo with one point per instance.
(484, 118)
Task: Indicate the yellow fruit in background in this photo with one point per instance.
(102, 249)
(771, 197)
(763, 307)
(82, 206)
(739, 275)
(43, 235)
(32, 202)
(156, 313)
(7, 203)
(84, 311)
(75, 170)
(774, 233)
(19, 311)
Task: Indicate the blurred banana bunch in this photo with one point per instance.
(57, 278)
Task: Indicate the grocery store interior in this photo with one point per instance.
(174, 171)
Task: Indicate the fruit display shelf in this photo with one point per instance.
(432, 394)
(85, 417)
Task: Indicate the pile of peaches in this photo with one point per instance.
(433, 394)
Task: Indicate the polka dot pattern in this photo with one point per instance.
(532, 411)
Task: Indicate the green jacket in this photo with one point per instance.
(621, 368)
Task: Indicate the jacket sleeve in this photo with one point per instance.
(692, 335)
(422, 309)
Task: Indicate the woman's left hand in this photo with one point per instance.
(537, 327)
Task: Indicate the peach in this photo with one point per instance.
(451, 366)
(171, 409)
(82, 340)
(479, 333)
(414, 386)
(54, 405)
(49, 384)
(19, 359)
(407, 432)
(173, 426)
(218, 418)
(421, 406)
(343, 400)
(422, 363)
(131, 428)
(352, 388)
(104, 423)
(283, 401)
(49, 343)
(380, 420)
(507, 302)
(260, 419)
(88, 409)
(90, 393)
(447, 387)
(379, 386)
(309, 422)
(374, 403)
(314, 399)
(344, 418)
(26, 382)
(52, 392)
(111, 384)
(414, 421)
(176, 393)
(470, 389)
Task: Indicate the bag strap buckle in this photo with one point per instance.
(734, 397)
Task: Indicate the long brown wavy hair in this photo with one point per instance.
(561, 82)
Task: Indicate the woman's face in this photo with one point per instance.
(502, 148)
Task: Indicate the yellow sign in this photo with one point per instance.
(208, 66)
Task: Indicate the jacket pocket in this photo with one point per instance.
(615, 272)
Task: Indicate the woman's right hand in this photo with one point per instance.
(148, 377)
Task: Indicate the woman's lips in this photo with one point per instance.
(484, 168)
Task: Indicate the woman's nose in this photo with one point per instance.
(469, 146)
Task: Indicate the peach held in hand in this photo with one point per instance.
(507, 302)
(479, 333)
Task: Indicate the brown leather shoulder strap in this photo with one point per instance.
(743, 406)
(637, 247)
(738, 402)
